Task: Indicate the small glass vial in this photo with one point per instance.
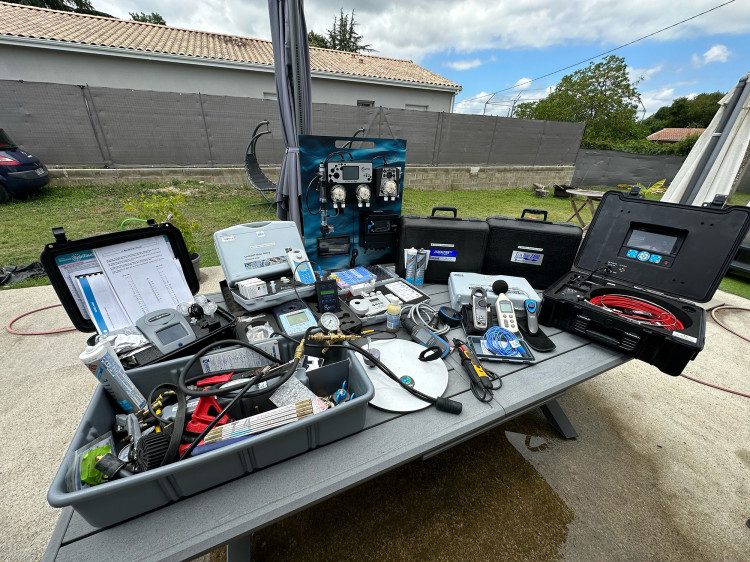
(393, 315)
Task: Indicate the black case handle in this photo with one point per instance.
(534, 212)
(449, 209)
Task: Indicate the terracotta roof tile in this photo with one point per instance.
(40, 23)
(673, 135)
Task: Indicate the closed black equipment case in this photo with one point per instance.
(223, 326)
(539, 250)
(455, 244)
(667, 254)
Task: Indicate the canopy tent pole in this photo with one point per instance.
(291, 58)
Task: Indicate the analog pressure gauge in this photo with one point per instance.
(329, 322)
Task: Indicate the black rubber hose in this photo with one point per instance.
(442, 404)
(183, 381)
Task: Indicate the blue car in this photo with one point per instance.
(20, 172)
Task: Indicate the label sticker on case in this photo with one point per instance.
(526, 257)
(685, 337)
(443, 255)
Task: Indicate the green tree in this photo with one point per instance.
(317, 40)
(601, 95)
(684, 112)
(79, 6)
(153, 17)
(341, 37)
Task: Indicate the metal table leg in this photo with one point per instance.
(239, 549)
(556, 418)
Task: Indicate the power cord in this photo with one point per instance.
(639, 310)
(10, 330)
(482, 380)
(441, 403)
(502, 342)
(728, 329)
(183, 381)
(425, 315)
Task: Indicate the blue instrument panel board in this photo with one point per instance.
(380, 153)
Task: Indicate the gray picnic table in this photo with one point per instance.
(229, 514)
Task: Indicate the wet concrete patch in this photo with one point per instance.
(480, 500)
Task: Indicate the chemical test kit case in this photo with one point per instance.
(258, 250)
(454, 244)
(539, 250)
(664, 254)
(112, 502)
(64, 259)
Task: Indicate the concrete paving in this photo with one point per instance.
(660, 471)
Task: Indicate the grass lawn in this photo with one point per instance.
(26, 225)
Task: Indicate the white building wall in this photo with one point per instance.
(147, 72)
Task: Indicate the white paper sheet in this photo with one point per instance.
(102, 304)
(144, 275)
(72, 265)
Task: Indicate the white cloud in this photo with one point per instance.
(501, 104)
(453, 25)
(717, 53)
(464, 64)
(474, 104)
(522, 84)
(642, 75)
(654, 99)
(691, 96)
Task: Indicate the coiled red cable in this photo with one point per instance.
(639, 310)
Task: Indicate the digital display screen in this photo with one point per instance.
(374, 301)
(652, 242)
(350, 172)
(328, 292)
(171, 334)
(506, 306)
(297, 318)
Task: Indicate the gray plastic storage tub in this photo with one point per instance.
(116, 501)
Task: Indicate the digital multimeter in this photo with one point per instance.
(480, 309)
(166, 329)
(295, 318)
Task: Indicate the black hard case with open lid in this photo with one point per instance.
(696, 247)
(462, 241)
(62, 246)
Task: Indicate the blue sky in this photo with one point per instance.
(488, 47)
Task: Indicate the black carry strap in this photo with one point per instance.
(534, 212)
(447, 209)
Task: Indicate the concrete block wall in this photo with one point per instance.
(492, 177)
(418, 177)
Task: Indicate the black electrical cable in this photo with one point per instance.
(442, 404)
(307, 197)
(183, 381)
(150, 401)
(183, 388)
(244, 391)
(518, 85)
(294, 272)
(213, 422)
(385, 162)
(179, 422)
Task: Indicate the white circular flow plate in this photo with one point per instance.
(402, 357)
